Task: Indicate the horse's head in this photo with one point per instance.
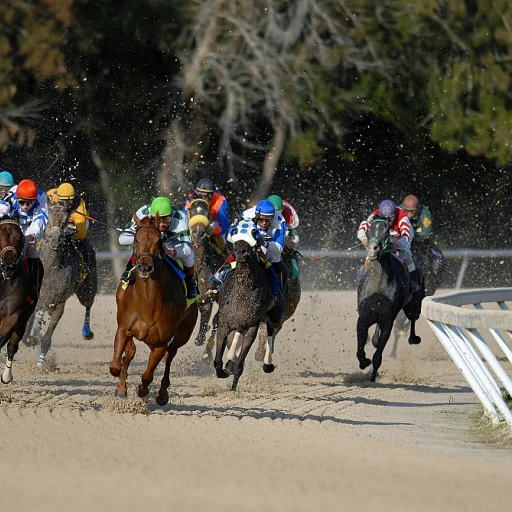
(199, 220)
(11, 246)
(147, 245)
(245, 236)
(57, 223)
(379, 239)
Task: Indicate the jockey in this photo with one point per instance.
(272, 226)
(78, 223)
(29, 203)
(175, 236)
(401, 232)
(219, 219)
(421, 221)
(6, 183)
(290, 216)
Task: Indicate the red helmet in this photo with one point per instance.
(27, 189)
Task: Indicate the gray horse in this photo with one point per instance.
(70, 268)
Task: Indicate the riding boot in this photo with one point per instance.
(191, 282)
(128, 276)
(413, 281)
(219, 277)
(34, 277)
(276, 277)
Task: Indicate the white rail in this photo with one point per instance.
(458, 330)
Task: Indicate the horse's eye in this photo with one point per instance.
(255, 233)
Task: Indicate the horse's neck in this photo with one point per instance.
(381, 270)
(247, 272)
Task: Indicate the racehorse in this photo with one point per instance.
(383, 291)
(15, 308)
(207, 259)
(293, 294)
(67, 272)
(245, 301)
(430, 259)
(153, 310)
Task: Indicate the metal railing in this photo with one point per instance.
(460, 331)
(464, 254)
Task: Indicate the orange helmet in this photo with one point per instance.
(27, 189)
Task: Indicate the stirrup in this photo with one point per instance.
(278, 298)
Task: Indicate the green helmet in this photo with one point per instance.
(277, 202)
(162, 206)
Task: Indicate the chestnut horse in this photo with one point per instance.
(15, 309)
(245, 301)
(153, 310)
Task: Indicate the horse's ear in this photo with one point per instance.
(135, 219)
(157, 219)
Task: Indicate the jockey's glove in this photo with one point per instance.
(30, 239)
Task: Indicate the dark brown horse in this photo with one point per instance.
(245, 301)
(207, 259)
(153, 310)
(70, 268)
(293, 293)
(15, 309)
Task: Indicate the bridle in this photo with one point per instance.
(379, 244)
(18, 254)
(146, 262)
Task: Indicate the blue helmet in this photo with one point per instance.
(387, 209)
(6, 179)
(266, 208)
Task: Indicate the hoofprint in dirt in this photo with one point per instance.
(309, 434)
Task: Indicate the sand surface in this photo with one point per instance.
(315, 435)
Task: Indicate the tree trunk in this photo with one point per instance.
(270, 163)
(118, 263)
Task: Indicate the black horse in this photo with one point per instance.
(207, 258)
(293, 294)
(67, 271)
(15, 306)
(245, 301)
(382, 292)
(430, 259)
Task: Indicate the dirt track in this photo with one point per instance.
(315, 435)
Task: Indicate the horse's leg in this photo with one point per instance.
(375, 337)
(385, 333)
(121, 389)
(86, 294)
(207, 354)
(268, 366)
(120, 340)
(414, 339)
(222, 339)
(362, 338)
(262, 342)
(87, 334)
(181, 337)
(206, 311)
(238, 366)
(34, 327)
(234, 351)
(155, 356)
(46, 341)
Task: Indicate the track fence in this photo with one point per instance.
(475, 328)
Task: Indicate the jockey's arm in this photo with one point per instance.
(222, 219)
(79, 219)
(5, 208)
(292, 238)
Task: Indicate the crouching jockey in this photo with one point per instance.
(272, 227)
(29, 203)
(401, 233)
(175, 235)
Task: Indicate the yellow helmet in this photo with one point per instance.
(66, 191)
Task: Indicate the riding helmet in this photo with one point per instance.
(387, 209)
(6, 179)
(277, 202)
(66, 191)
(206, 186)
(266, 208)
(27, 189)
(162, 206)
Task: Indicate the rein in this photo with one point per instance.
(18, 254)
(146, 270)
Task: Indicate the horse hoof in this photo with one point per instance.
(162, 400)
(118, 394)
(365, 363)
(87, 335)
(229, 367)
(269, 368)
(7, 381)
(222, 374)
(373, 377)
(415, 340)
(141, 393)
